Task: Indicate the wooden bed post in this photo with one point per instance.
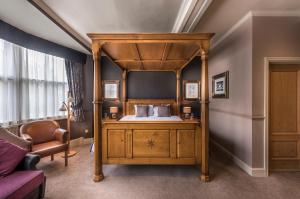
(124, 90)
(178, 93)
(204, 115)
(96, 48)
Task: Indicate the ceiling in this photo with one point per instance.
(21, 14)
(101, 16)
(117, 15)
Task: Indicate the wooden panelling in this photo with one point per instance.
(128, 143)
(173, 141)
(121, 51)
(116, 144)
(151, 143)
(130, 65)
(284, 149)
(182, 51)
(151, 51)
(186, 143)
(284, 101)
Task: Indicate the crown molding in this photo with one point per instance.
(185, 11)
(276, 13)
(249, 15)
(199, 15)
(189, 16)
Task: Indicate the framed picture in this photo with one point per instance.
(220, 85)
(191, 90)
(111, 90)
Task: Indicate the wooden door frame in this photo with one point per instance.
(267, 62)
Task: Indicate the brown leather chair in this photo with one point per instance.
(46, 137)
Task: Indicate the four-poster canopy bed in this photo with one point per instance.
(166, 141)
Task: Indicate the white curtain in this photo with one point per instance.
(33, 85)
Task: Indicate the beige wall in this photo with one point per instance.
(272, 37)
(237, 123)
(230, 119)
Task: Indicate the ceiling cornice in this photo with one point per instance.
(48, 12)
(250, 14)
(189, 16)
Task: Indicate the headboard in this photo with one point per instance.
(131, 102)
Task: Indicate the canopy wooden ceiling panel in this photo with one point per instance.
(148, 52)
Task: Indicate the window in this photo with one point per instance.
(32, 84)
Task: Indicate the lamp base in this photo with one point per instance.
(70, 154)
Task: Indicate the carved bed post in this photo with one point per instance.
(178, 93)
(96, 48)
(204, 115)
(124, 90)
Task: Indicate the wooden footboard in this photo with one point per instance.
(151, 142)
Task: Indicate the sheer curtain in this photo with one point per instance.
(32, 84)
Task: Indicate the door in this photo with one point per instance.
(284, 123)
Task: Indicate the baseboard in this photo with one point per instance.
(81, 141)
(259, 172)
(255, 172)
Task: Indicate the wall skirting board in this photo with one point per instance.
(80, 142)
(255, 172)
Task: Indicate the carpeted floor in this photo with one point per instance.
(161, 182)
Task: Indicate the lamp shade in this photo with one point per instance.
(113, 109)
(187, 109)
(63, 108)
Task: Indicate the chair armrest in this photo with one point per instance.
(29, 162)
(61, 135)
(26, 137)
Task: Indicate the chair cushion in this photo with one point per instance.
(48, 148)
(20, 183)
(10, 156)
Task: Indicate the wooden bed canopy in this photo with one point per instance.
(151, 52)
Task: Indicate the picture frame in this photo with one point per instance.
(191, 90)
(111, 90)
(220, 85)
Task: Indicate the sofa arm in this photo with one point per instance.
(61, 135)
(29, 162)
(12, 138)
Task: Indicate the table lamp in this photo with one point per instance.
(187, 111)
(113, 111)
(66, 106)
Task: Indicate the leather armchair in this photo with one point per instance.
(46, 138)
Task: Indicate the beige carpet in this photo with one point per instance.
(161, 182)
